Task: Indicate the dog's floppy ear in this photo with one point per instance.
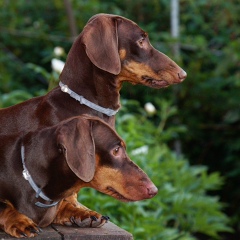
(101, 42)
(75, 137)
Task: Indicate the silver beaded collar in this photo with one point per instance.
(34, 186)
(107, 111)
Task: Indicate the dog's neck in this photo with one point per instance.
(94, 84)
(39, 193)
(51, 174)
(106, 111)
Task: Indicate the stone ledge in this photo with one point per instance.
(108, 232)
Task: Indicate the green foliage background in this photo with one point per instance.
(202, 113)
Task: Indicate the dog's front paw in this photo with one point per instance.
(20, 226)
(17, 224)
(70, 214)
(90, 221)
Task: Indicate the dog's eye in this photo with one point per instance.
(115, 151)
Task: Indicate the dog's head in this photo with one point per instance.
(97, 156)
(119, 46)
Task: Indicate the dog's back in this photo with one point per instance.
(19, 118)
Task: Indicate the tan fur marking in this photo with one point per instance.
(108, 177)
(122, 53)
(134, 71)
(13, 222)
(69, 208)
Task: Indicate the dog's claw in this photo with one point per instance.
(35, 231)
(72, 219)
(94, 218)
(23, 234)
(105, 218)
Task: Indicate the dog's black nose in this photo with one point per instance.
(182, 75)
(152, 191)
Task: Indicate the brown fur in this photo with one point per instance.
(78, 152)
(110, 50)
